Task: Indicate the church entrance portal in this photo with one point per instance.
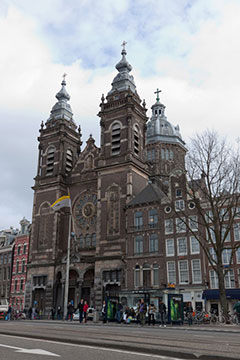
(87, 287)
(72, 290)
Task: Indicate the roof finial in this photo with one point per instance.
(124, 44)
(157, 92)
(64, 79)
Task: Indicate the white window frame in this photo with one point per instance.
(168, 226)
(196, 272)
(138, 245)
(213, 279)
(238, 256)
(193, 222)
(137, 272)
(179, 245)
(179, 205)
(194, 243)
(153, 242)
(226, 255)
(229, 280)
(180, 272)
(181, 225)
(236, 232)
(171, 241)
(171, 272)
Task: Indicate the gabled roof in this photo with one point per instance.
(151, 193)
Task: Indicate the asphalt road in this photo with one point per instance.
(114, 341)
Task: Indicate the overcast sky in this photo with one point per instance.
(187, 48)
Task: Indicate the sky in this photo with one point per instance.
(187, 48)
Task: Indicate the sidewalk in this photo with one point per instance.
(195, 327)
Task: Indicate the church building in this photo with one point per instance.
(122, 242)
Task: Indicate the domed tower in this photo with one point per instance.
(165, 148)
(59, 147)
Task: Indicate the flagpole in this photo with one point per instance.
(67, 267)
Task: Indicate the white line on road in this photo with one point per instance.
(98, 348)
(29, 351)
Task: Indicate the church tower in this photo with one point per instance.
(122, 173)
(59, 148)
(165, 148)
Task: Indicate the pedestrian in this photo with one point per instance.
(151, 314)
(142, 312)
(104, 312)
(30, 311)
(80, 308)
(189, 313)
(162, 311)
(9, 312)
(118, 313)
(53, 313)
(85, 309)
(69, 311)
(59, 315)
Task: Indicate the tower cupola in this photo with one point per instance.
(123, 80)
(159, 128)
(61, 110)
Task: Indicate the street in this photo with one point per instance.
(55, 339)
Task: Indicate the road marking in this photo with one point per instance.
(29, 351)
(93, 347)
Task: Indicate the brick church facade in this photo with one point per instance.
(124, 240)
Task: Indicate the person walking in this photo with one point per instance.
(162, 311)
(189, 313)
(104, 312)
(80, 308)
(53, 313)
(151, 314)
(85, 309)
(30, 312)
(142, 312)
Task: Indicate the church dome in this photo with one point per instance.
(159, 128)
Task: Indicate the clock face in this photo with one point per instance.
(85, 209)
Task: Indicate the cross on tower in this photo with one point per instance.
(64, 75)
(124, 44)
(157, 92)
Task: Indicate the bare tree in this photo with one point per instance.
(213, 184)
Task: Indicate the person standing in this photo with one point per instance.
(142, 312)
(189, 313)
(53, 313)
(59, 315)
(85, 309)
(69, 311)
(80, 308)
(162, 311)
(118, 315)
(151, 314)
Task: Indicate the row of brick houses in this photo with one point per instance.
(14, 245)
(127, 239)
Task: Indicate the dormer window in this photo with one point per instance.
(69, 161)
(50, 160)
(116, 139)
(136, 140)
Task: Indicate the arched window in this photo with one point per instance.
(17, 267)
(81, 241)
(69, 160)
(136, 139)
(137, 276)
(116, 139)
(50, 160)
(94, 240)
(146, 275)
(88, 240)
(23, 266)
